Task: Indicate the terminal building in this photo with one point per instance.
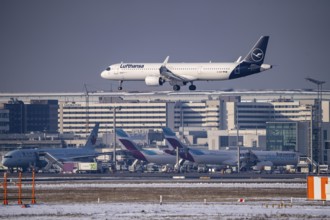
(269, 120)
(4, 121)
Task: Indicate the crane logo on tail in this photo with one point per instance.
(257, 55)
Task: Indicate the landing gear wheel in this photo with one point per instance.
(176, 87)
(192, 87)
(120, 88)
(161, 81)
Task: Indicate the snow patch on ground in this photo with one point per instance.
(129, 211)
(172, 185)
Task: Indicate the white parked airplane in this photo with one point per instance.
(150, 156)
(229, 157)
(179, 74)
(24, 158)
(217, 157)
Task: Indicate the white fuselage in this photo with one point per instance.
(278, 158)
(158, 157)
(180, 74)
(229, 157)
(27, 157)
(217, 157)
(191, 71)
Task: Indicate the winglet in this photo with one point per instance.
(165, 61)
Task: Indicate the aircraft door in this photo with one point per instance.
(116, 70)
(238, 69)
(200, 70)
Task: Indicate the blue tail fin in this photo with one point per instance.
(93, 136)
(258, 52)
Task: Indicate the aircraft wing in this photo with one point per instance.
(82, 157)
(87, 156)
(164, 71)
(77, 158)
(168, 74)
(230, 162)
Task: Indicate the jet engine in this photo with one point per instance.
(154, 81)
(261, 165)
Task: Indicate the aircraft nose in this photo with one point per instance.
(104, 74)
(5, 162)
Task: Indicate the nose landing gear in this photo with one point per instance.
(120, 85)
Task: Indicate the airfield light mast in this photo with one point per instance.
(237, 140)
(87, 92)
(114, 111)
(317, 121)
(87, 108)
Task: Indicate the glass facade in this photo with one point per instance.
(17, 117)
(281, 136)
(38, 116)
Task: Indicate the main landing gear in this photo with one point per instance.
(176, 88)
(192, 87)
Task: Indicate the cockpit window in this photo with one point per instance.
(8, 156)
(108, 69)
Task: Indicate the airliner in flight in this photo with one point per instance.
(150, 156)
(25, 158)
(180, 74)
(229, 157)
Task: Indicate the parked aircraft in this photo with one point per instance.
(150, 156)
(229, 157)
(25, 158)
(180, 74)
(219, 157)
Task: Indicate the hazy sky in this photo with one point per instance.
(58, 46)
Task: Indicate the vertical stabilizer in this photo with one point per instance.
(172, 139)
(93, 136)
(258, 52)
(175, 143)
(130, 145)
(126, 141)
